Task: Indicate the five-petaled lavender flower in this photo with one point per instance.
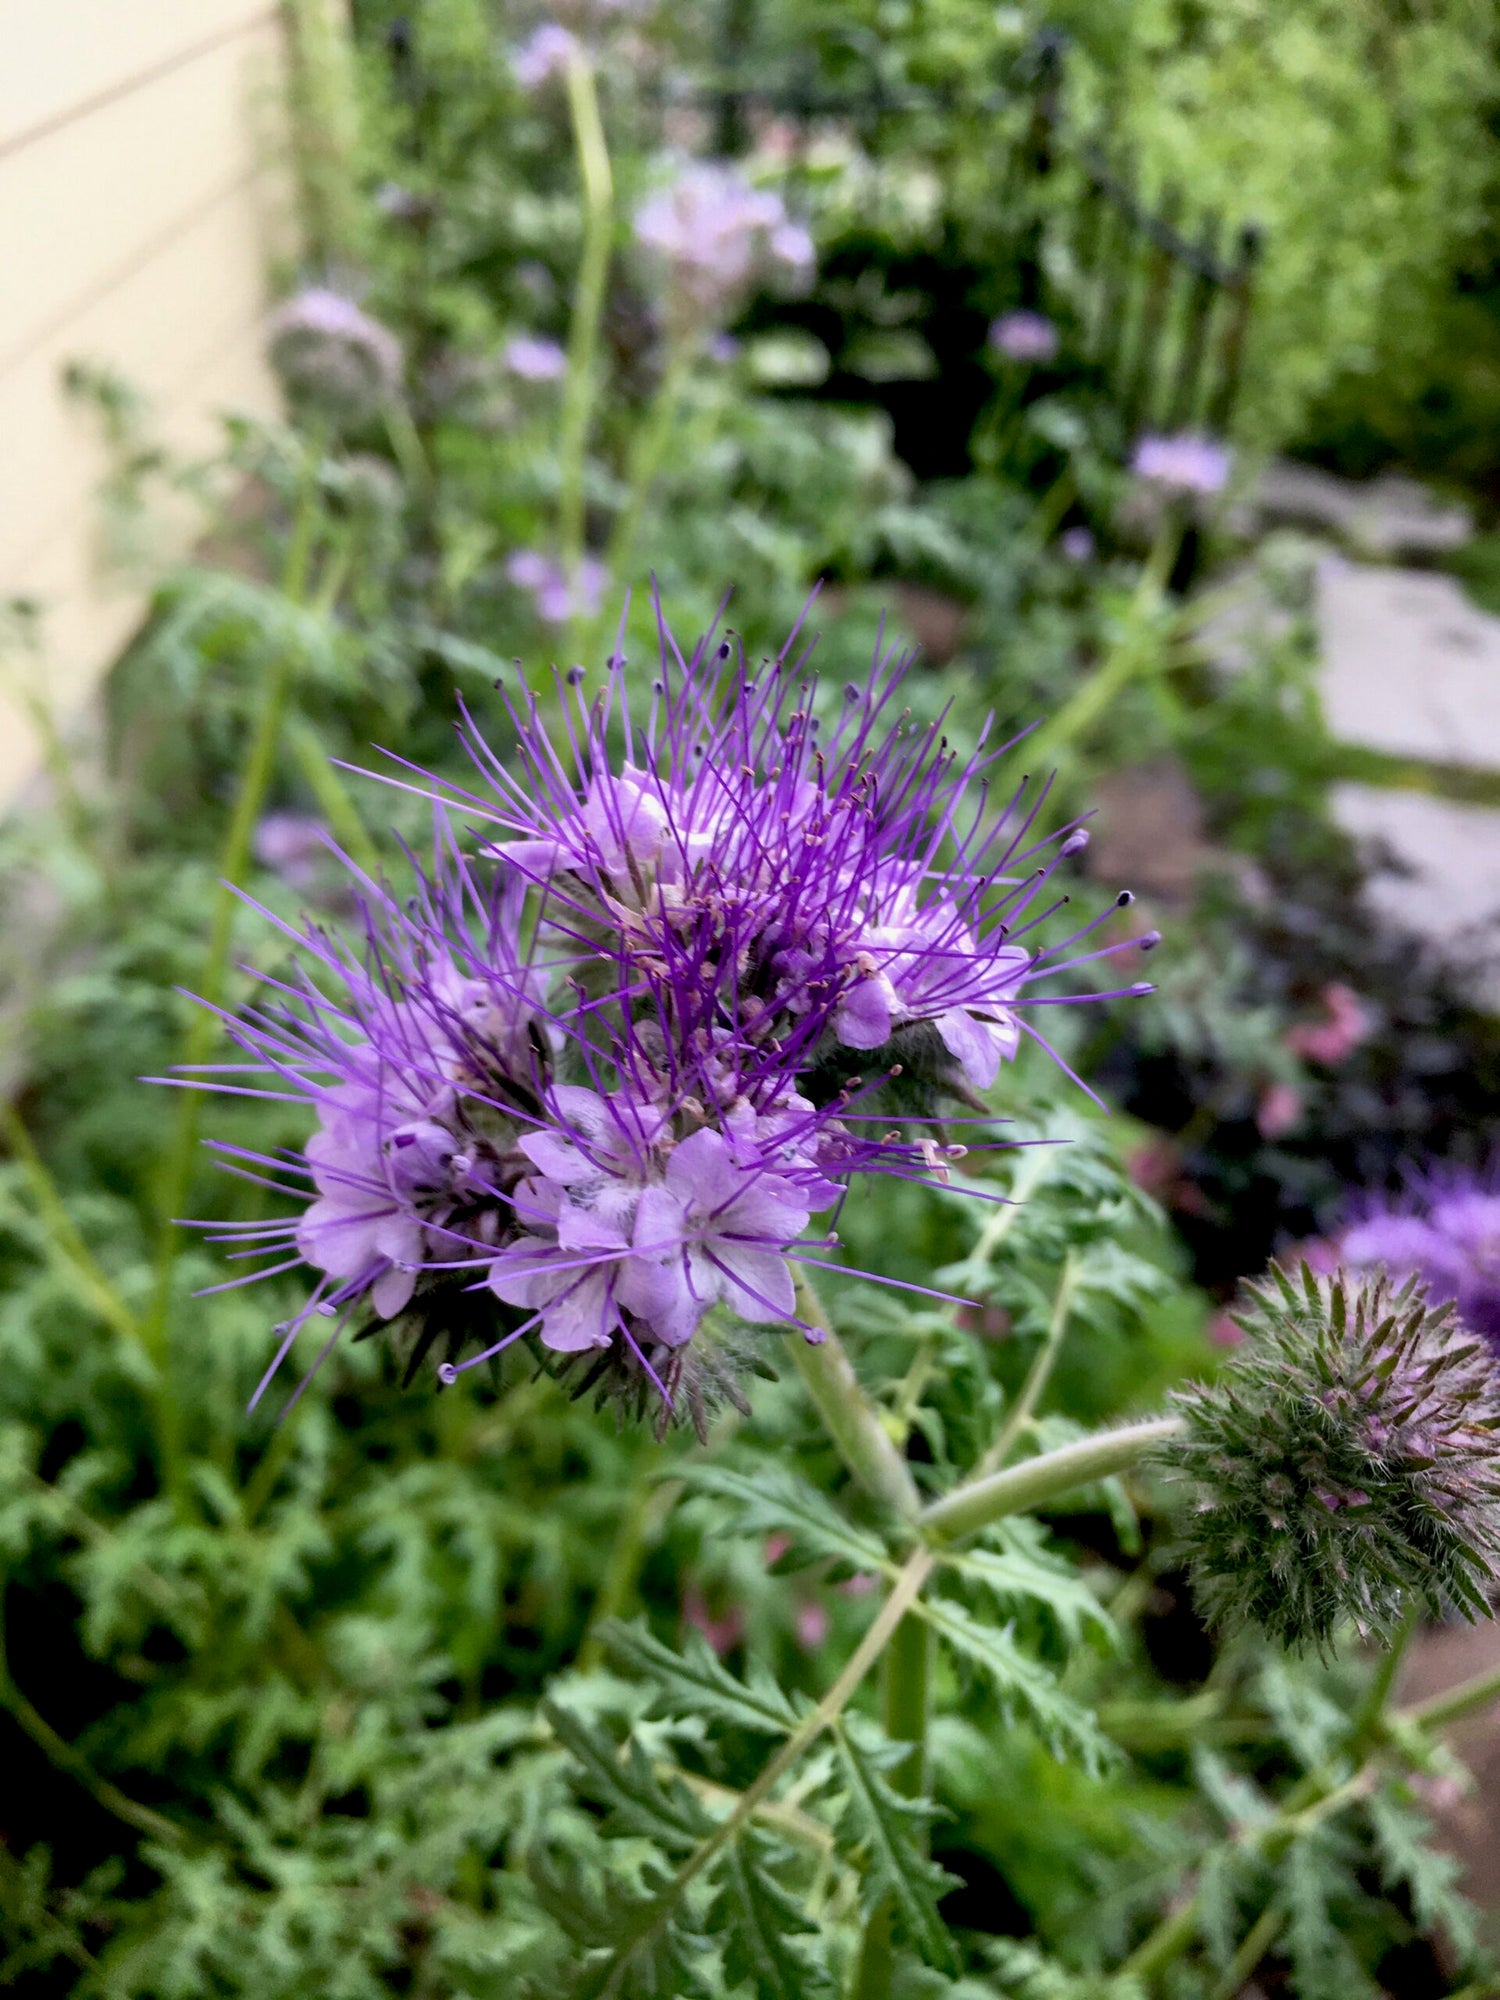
(1187, 462)
(326, 347)
(689, 972)
(1024, 336)
(716, 234)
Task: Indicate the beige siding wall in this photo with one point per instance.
(138, 212)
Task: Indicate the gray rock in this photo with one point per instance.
(1435, 872)
(1389, 518)
(1409, 665)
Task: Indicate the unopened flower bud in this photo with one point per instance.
(1345, 1458)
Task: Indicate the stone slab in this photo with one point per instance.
(1445, 885)
(1410, 666)
(1390, 517)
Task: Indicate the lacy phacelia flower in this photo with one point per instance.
(557, 597)
(1185, 463)
(326, 347)
(716, 234)
(1343, 1460)
(546, 53)
(1445, 1230)
(534, 359)
(1024, 336)
(758, 957)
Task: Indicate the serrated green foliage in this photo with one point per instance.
(636, 1939)
(888, 1834)
(767, 1934)
(1027, 1692)
(771, 1500)
(636, 1800)
(1014, 1571)
(1430, 1875)
(1324, 1966)
(693, 1682)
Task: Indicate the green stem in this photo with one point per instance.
(647, 451)
(851, 1419)
(904, 1592)
(61, 1752)
(1039, 1374)
(63, 1237)
(332, 795)
(905, 1704)
(1021, 1489)
(1132, 654)
(588, 304)
(1257, 1942)
(1440, 1710)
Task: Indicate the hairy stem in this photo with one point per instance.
(1039, 1375)
(903, 1593)
(588, 304)
(905, 1703)
(1021, 1489)
(850, 1418)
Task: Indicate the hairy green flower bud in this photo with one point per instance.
(1346, 1457)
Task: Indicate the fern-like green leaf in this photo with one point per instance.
(695, 1682)
(1027, 1690)
(1017, 1570)
(635, 1799)
(764, 1929)
(636, 1940)
(773, 1501)
(884, 1832)
(1403, 1840)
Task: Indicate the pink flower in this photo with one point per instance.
(722, 1633)
(535, 359)
(1279, 1111)
(811, 1624)
(1187, 462)
(1222, 1331)
(1334, 1039)
(1024, 336)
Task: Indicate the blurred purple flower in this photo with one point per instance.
(555, 596)
(1445, 1229)
(715, 234)
(291, 845)
(1024, 336)
(544, 54)
(325, 346)
(1077, 544)
(1188, 462)
(535, 359)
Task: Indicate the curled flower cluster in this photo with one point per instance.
(716, 234)
(1344, 1459)
(326, 347)
(688, 973)
(1444, 1229)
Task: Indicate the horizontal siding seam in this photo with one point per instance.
(144, 254)
(101, 99)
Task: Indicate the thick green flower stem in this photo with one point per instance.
(1023, 1488)
(850, 1418)
(588, 304)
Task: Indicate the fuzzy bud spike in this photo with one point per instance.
(1344, 1459)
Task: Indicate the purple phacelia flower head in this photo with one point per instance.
(329, 349)
(687, 973)
(1024, 336)
(1187, 462)
(716, 235)
(1077, 544)
(535, 359)
(545, 53)
(1444, 1229)
(556, 596)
